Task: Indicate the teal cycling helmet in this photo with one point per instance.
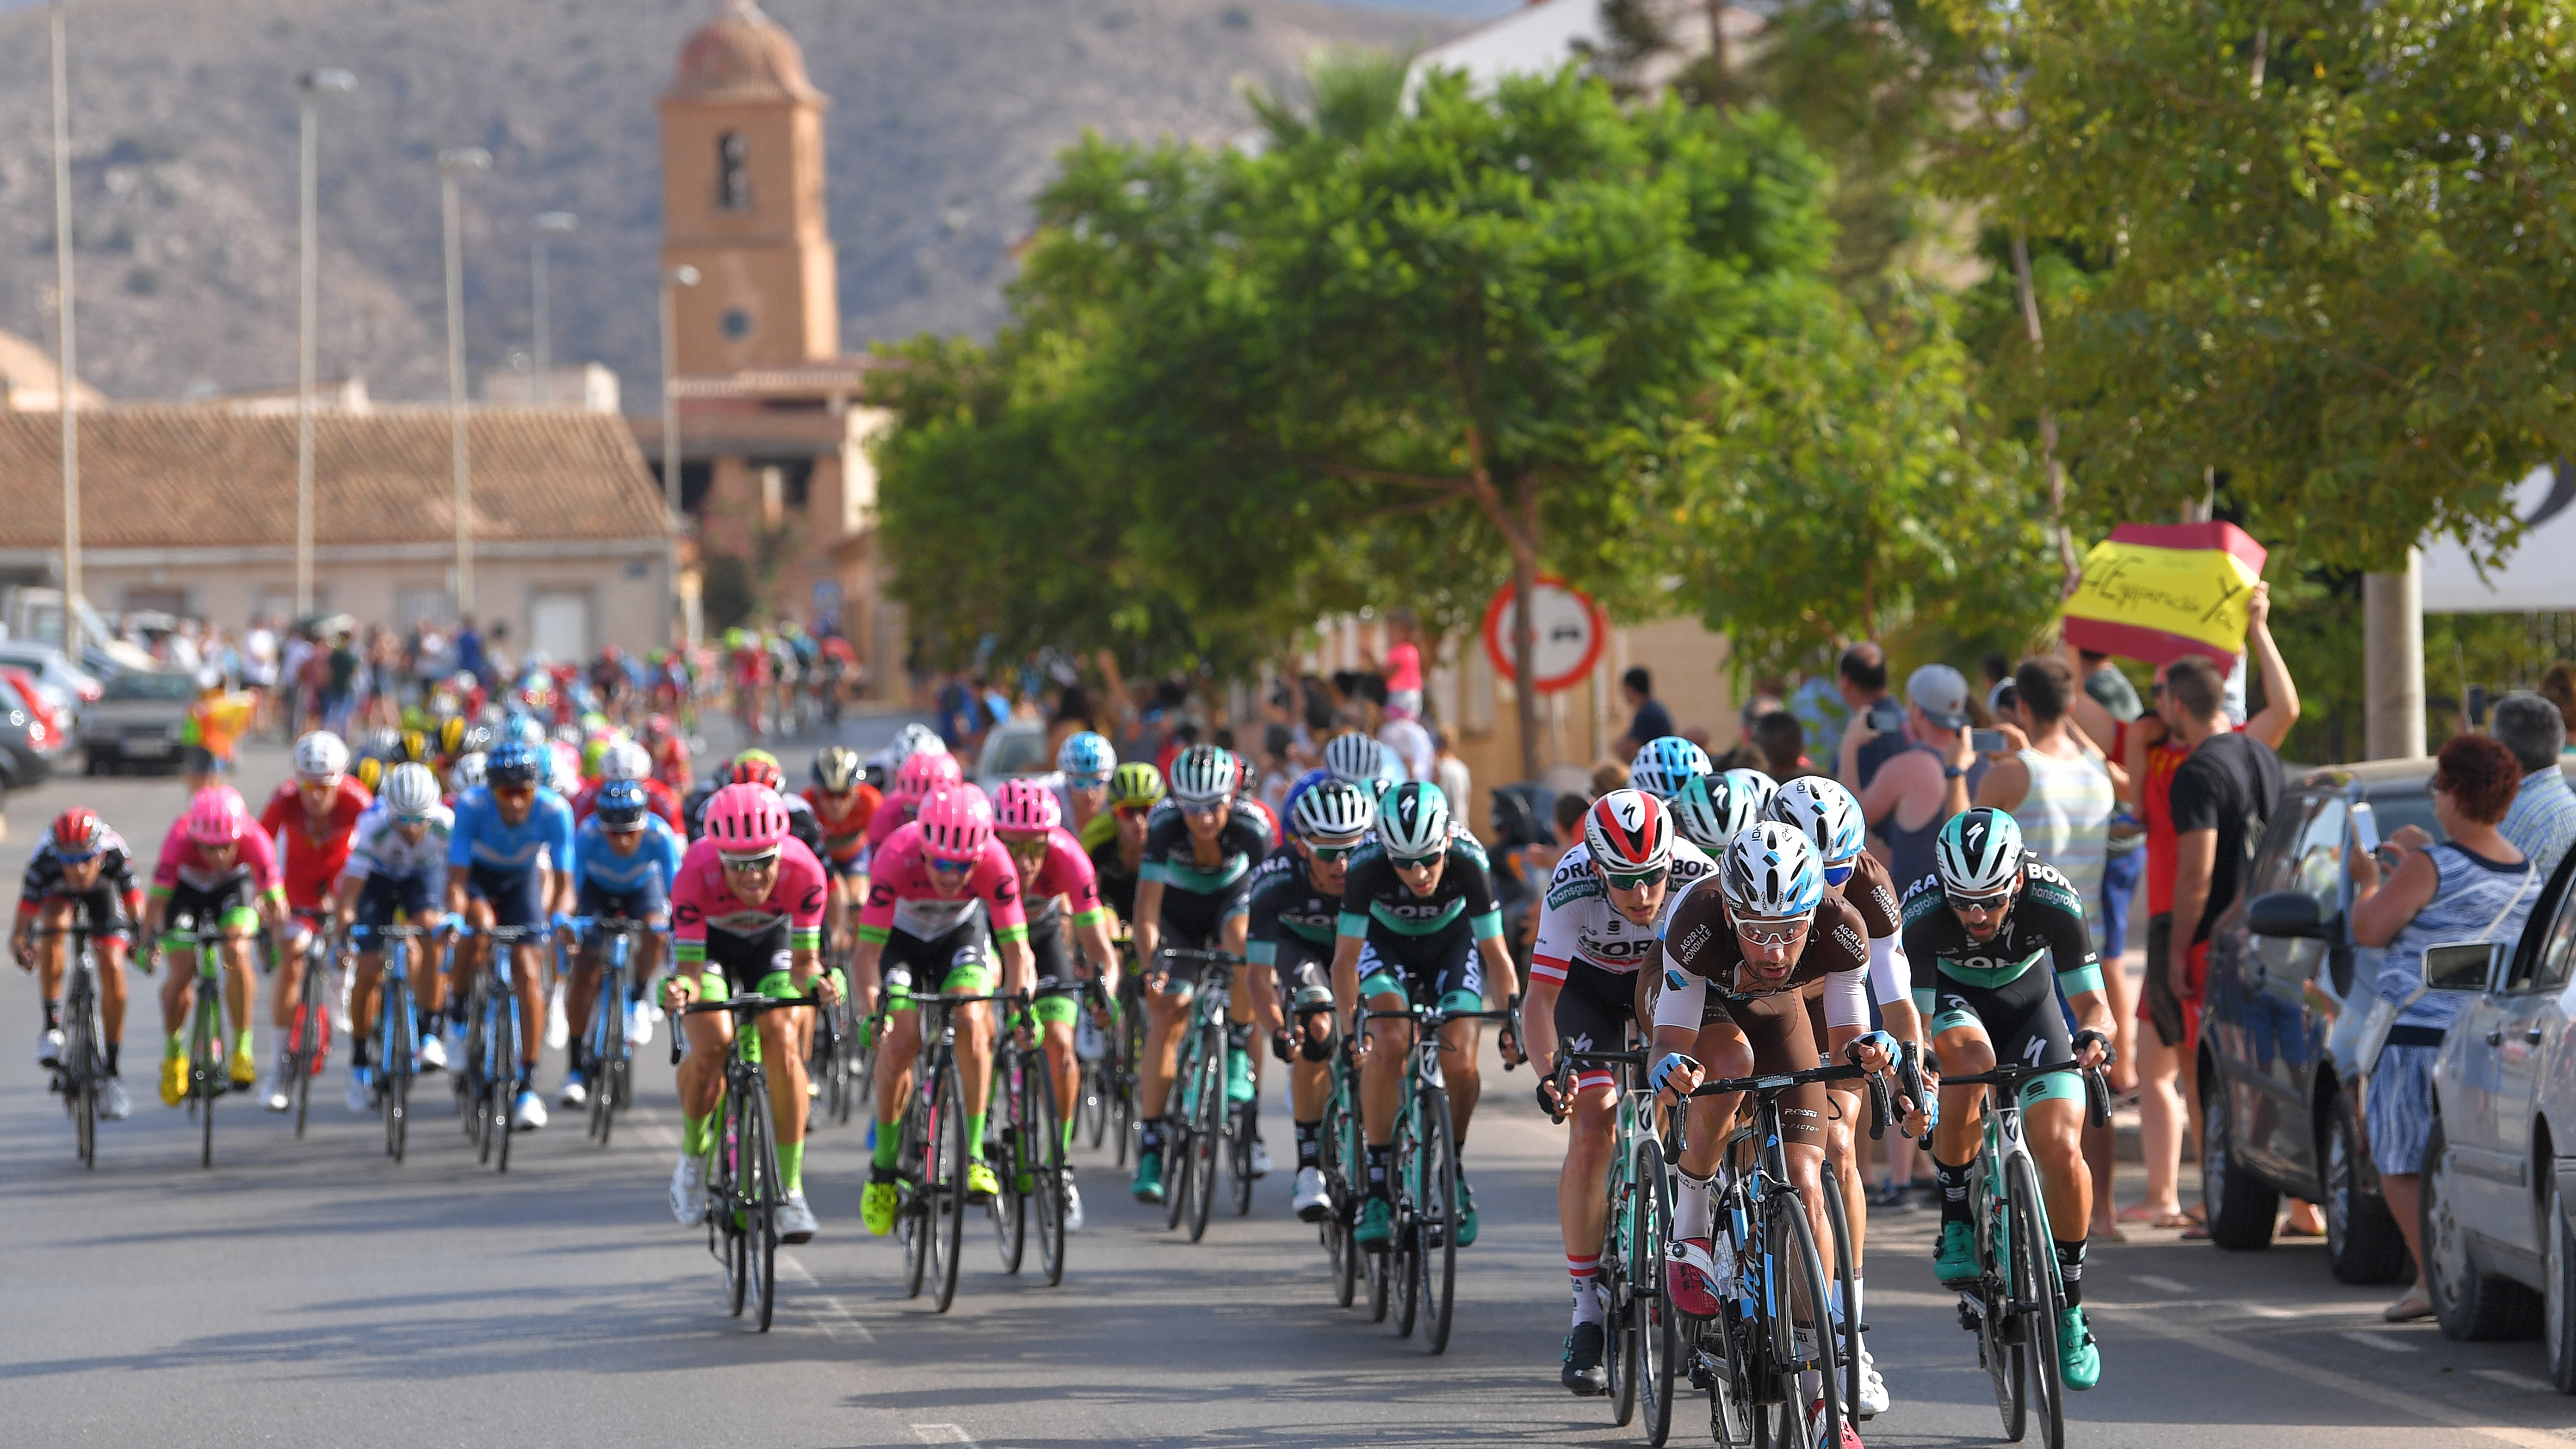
(1978, 854)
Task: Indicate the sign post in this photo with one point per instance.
(1568, 629)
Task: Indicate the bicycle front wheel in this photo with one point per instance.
(1208, 1134)
(1043, 1150)
(1009, 1209)
(1336, 1143)
(948, 1188)
(915, 1157)
(1652, 1332)
(507, 1047)
(1802, 1329)
(393, 1067)
(206, 1064)
(761, 1196)
(83, 1061)
(1404, 1245)
(1438, 1180)
(2000, 1339)
(2036, 1299)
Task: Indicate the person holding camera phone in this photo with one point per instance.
(1918, 788)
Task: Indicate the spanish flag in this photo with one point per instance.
(2159, 591)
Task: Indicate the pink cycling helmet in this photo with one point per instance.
(920, 774)
(746, 820)
(217, 816)
(956, 822)
(1023, 805)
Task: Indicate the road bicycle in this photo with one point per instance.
(1420, 1265)
(1775, 1320)
(1028, 1154)
(487, 1076)
(1636, 1231)
(81, 1074)
(609, 1053)
(1203, 1126)
(1341, 1158)
(2013, 1306)
(397, 1029)
(208, 1075)
(744, 1188)
(308, 1035)
(839, 1066)
(930, 1163)
(1109, 1078)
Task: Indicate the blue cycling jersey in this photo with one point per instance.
(480, 839)
(598, 862)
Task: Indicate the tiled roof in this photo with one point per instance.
(173, 477)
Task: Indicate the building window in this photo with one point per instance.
(733, 173)
(736, 323)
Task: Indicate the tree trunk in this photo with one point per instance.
(1525, 656)
(2056, 471)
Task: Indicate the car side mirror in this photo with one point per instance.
(2287, 913)
(2460, 965)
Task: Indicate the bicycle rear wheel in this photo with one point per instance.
(1847, 1327)
(2000, 1341)
(2036, 1299)
(948, 1201)
(1436, 1211)
(1009, 1208)
(1652, 1329)
(914, 1156)
(1044, 1151)
(1208, 1135)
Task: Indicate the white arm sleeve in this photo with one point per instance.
(1846, 1000)
(1680, 1005)
(1889, 971)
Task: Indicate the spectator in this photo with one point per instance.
(1819, 704)
(1450, 773)
(1783, 746)
(1608, 775)
(340, 682)
(1649, 719)
(1412, 744)
(2058, 791)
(1404, 667)
(2108, 687)
(1998, 670)
(2542, 822)
(469, 652)
(2474, 887)
(1861, 676)
(1921, 786)
(2558, 686)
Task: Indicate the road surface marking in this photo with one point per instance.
(2380, 1341)
(2161, 1283)
(2240, 1351)
(835, 1321)
(941, 1434)
(2266, 1310)
(2512, 1380)
(802, 1273)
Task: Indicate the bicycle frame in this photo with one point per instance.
(397, 1027)
(745, 1190)
(83, 1063)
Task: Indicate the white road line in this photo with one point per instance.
(2512, 1380)
(2160, 1283)
(835, 1319)
(941, 1434)
(2380, 1341)
(2242, 1352)
(2266, 1310)
(802, 1273)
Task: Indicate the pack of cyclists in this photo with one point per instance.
(1715, 925)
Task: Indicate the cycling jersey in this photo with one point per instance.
(183, 865)
(1701, 951)
(652, 865)
(1065, 876)
(901, 897)
(845, 835)
(482, 840)
(1577, 923)
(748, 941)
(377, 849)
(1117, 882)
(2048, 920)
(311, 861)
(115, 889)
(1172, 857)
(657, 798)
(1377, 903)
(1289, 910)
(892, 814)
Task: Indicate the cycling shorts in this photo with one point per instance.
(1443, 969)
(1055, 967)
(1593, 1011)
(2019, 1017)
(517, 897)
(101, 909)
(646, 902)
(386, 898)
(760, 963)
(227, 908)
(1193, 921)
(958, 961)
(1300, 964)
(1775, 1025)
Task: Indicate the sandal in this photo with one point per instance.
(2141, 1213)
(2407, 1310)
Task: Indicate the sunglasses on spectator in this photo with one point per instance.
(1637, 881)
(1772, 933)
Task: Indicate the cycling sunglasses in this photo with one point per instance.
(1086, 782)
(514, 791)
(1134, 812)
(1207, 811)
(952, 867)
(1836, 874)
(1033, 848)
(1416, 862)
(762, 861)
(1622, 881)
(1772, 933)
(1988, 904)
(1332, 854)
(84, 858)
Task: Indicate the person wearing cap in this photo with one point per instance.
(1921, 787)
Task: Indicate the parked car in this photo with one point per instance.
(65, 686)
(27, 748)
(2500, 1169)
(138, 721)
(1015, 747)
(50, 727)
(2287, 989)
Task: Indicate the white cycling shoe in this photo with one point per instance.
(1311, 1200)
(795, 1220)
(277, 1095)
(558, 1021)
(1072, 1204)
(113, 1104)
(49, 1047)
(689, 1190)
(432, 1055)
(1260, 1158)
(574, 1093)
(528, 1113)
(361, 1095)
(1873, 1389)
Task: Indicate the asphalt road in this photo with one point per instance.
(313, 1293)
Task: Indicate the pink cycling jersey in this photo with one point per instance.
(183, 863)
(901, 897)
(893, 813)
(1066, 872)
(701, 901)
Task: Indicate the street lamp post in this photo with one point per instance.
(453, 163)
(309, 87)
(673, 280)
(548, 224)
(67, 361)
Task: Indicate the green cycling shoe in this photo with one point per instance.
(1955, 1262)
(1148, 1186)
(1376, 1224)
(2079, 1359)
(878, 1202)
(1466, 1215)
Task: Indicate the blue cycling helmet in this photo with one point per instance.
(1299, 786)
(527, 729)
(1665, 763)
(621, 805)
(514, 762)
(1086, 756)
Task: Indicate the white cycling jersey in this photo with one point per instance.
(377, 848)
(1577, 922)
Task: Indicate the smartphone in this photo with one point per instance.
(1988, 742)
(2365, 827)
(1887, 716)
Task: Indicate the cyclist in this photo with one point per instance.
(914, 779)
(942, 895)
(670, 752)
(509, 864)
(1118, 859)
(757, 767)
(1664, 763)
(625, 858)
(843, 802)
(469, 771)
(1086, 760)
(1739, 949)
(1362, 760)
(1296, 904)
(397, 861)
(1983, 920)
(1597, 950)
(626, 760)
(1061, 897)
(80, 868)
(1418, 923)
(311, 818)
(1828, 815)
(217, 879)
(1194, 886)
(747, 909)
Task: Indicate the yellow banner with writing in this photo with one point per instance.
(2160, 592)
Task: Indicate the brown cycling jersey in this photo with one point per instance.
(1700, 941)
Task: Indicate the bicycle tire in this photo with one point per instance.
(467, 1069)
(393, 1005)
(1403, 1243)
(1208, 1135)
(760, 1228)
(1436, 1212)
(1998, 1342)
(727, 1207)
(1177, 1136)
(1653, 1332)
(949, 1200)
(1806, 1266)
(1049, 1203)
(82, 1058)
(606, 1030)
(912, 1220)
(1333, 1159)
(1009, 1208)
(206, 1058)
(505, 1078)
(1240, 1135)
(315, 1049)
(1837, 1218)
(1091, 1110)
(2035, 1299)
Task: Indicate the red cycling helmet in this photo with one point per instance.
(77, 832)
(758, 767)
(1023, 806)
(956, 822)
(746, 820)
(1629, 831)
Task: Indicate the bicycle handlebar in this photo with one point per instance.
(734, 1005)
(2097, 1093)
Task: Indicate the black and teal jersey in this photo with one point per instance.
(2047, 920)
(1171, 858)
(1375, 897)
(1286, 903)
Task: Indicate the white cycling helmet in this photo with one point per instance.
(625, 760)
(1357, 758)
(1757, 785)
(1665, 763)
(1334, 811)
(321, 755)
(1413, 823)
(466, 771)
(916, 739)
(1714, 809)
(411, 791)
(1770, 873)
(1203, 774)
(1825, 812)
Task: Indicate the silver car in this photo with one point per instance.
(2500, 1171)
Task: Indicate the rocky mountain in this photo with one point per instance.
(945, 120)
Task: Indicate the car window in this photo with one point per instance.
(2316, 870)
(2272, 864)
(2411, 808)
(1017, 753)
(2547, 966)
(142, 684)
